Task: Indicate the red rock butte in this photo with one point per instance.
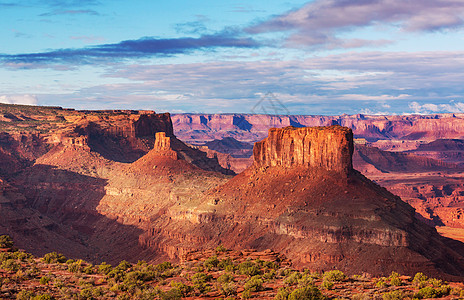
(329, 148)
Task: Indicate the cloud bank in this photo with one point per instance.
(141, 48)
(319, 22)
(19, 99)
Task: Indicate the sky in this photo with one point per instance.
(321, 57)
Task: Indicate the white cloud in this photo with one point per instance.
(453, 107)
(19, 99)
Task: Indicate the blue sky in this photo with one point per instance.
(316, 57)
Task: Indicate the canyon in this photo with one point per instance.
(113, 185)
(418, 157)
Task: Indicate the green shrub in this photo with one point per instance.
(43, 297)
(225, 278)
(246, 294)
(282, 294)
(10, 265)
(123, 266)
(184, 289)
(200, 280)
(427, 292)
(6, 241)
(24, 295)
(228, 289)
(393, 295)
(104, 268)
(420, 280)
(226, 264)
(306, 293)
(254, 284)
(249, 268)
(334, 275)
(395, 279)
(381, 283)
(221, 248)
(75, 267)
(292, 278)
(305, 281)
(88, 269)
(270, 275)
(173, 294)
(163, 266)
(434, 282)
(44, 280)
(211, 262)
(54, 257)
(327, 284)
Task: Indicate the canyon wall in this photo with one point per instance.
(251, 128)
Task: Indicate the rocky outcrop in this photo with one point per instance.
(329, 148)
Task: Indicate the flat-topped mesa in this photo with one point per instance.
(329, 148)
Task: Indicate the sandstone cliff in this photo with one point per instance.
(251, 128)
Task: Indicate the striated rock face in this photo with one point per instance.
(250, 128)
(329, 148)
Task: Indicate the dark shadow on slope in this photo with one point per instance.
(68, 202)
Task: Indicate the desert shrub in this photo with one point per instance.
(393, 295)
(10, 265)
(221, 248)
(420, 280)
(435, 282)
(225, 263)
(54, 257)
(88, 269)
(172, 294)
(104, 268)
(381, 282)
(292, 278)
(327, 284)
(271, 265)
(254, 284)
(116, 274)
(184, 289)
(334, 275)
(76, 267)
(305, 280)
(24, 295)
(246, 294)
(228, 289)
(211, 262)
(395, 279)
(43, 297)
(306, 293)
(270, 275)
(163, 266)
(427, 292)
(199, 281)
(123, 265)
(282, 294)
(44, 280)
(360, 297)
(86, 294)
(22, 256)
(6, 241)
(225, 278)
(249, 268)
